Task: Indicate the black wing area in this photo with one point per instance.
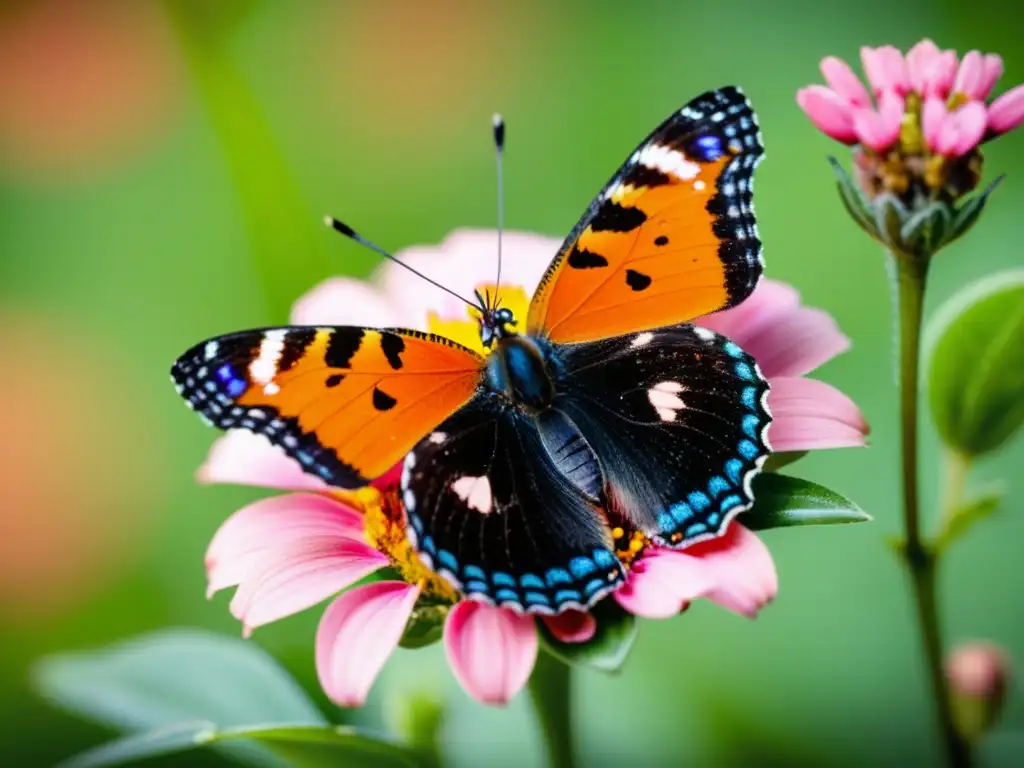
(678, 420)
(488, 510)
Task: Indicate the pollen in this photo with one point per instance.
(629, 545)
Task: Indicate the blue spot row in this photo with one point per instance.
(233, 384)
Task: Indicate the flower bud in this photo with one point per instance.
(978, 674)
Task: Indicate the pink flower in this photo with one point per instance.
(977, 75)
(288, 553)
(1007, 112)
(931, 71)
(953, 133)
(886, 69)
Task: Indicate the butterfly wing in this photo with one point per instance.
(346, 402)
(677, 418)
(487, 508)
(671, 237)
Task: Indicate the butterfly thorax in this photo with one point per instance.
(517, 368)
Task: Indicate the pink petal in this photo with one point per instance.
(491, 650)
(357, 634)
(571, 626)
(245, 458)
(279, 523)
(290, 579)
(343, 301)
(808, 414)
(962, 130)
(770, 301)
(921, 60)
(828, 111)
(992, 71)
(886, 69)
(944, 74)
(795, 343)
(969, 76)
(1007, 112)
(880, 130)
(734, 570)
(844, 82)
(933, 117)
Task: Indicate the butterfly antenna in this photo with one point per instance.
(347, 231)
(499, 146)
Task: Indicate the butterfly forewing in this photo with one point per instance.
(671, 237)
(347, 403)
(488, 509)
(678, 419)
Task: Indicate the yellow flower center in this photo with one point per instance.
(467, 332)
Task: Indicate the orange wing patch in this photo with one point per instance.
(347, 403)
(670, 238)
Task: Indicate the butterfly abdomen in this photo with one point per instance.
(518, 369)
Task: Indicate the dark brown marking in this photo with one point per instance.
(661, 240)
(638, 281)
(334, 380)
(585, 259)
(392, 345)
(383, 401)
(612, 217)
(643, 176)
(343, 344)
(295, 344)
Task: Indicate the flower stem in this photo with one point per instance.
(550, 690)
(920, 558)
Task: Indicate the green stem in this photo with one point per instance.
(920, 558)
(551, 692)
(957, 466)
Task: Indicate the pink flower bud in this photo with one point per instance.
(844, 82)
(828, 111)
(930, 70)
(953, 134)
(886, 69)
(1007, 112)
(978, 674)
(880, 130)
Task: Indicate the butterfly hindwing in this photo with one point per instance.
(487, 509)
(671, 237)
(678, 420)
(347, 403)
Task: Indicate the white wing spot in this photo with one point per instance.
(476, 492)
(664, 396)
(264, 367)
(437, 437)
(704, 334)
(641, 340)
(668, 160)
(210, 350)
(699, 185)
(271, 389)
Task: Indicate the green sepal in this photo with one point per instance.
(781, 501)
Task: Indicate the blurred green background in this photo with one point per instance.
(163, 171)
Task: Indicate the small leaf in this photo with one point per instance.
(174, 676)
(976, 368)
(979, 507)
(777, 461)
(299, 746)
(853, 199)
(425, 626)
(607, 649)
(969, 212)
(924, 231)
(781, 500)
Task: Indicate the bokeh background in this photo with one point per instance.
(163, 171)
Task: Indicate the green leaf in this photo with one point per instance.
(173, 676)
(969, 212)
(976, 364)
(298, 746)
(777, 461)
(781, 500)
(853, 199)
(979, 507)
(425, 626)
(607, 649)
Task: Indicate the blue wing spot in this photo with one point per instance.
(681, 512)
(717, 486)
(666, 522)
(594, 585)
(417, 524)
(751, 424)
(531, 581)
(568, 595)
(507, 594)
(581, 567)
(711, 148)
(427, 544)
(537, 598)
(731, 501)
(747, 449)
(236, 387)
(750, 398)
(447, 560)
(474, 572)
(604, 558)
(734, 469)
(476, 586)
(744, 371)
(713, 519)
(699, 501)
(224, 373)
(557, 576)
(503, 579)
(696, 530)
(732, 349)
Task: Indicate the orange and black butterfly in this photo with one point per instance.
(608, 411)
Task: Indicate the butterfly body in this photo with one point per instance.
(610, 419)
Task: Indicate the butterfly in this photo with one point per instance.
(606, 413)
